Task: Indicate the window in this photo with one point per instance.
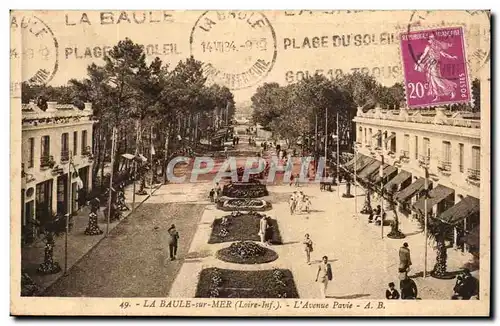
(427, 148)
(416, 147)
(45, 150)
(75, 143)
(84, 141)
(370, 135)
(393, 142)
(360, 135)
(446, 156)
(65, 147)
(366, 140)
(474, 171)
(379, 138)
(406, 146)
(461, 157)
(31, 152)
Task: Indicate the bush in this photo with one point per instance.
(246, 252)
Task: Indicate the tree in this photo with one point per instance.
(395, 232)
(476, 95)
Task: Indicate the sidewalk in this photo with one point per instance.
(79, 244)
(363, 262)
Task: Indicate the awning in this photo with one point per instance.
(389, 172)
(411, 190)
(468, 206)
(435, 196)
(400, 178)
(378, 134)
(369, 169)
(472, 237)
(362, 161)
(388, 139)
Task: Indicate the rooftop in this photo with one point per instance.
(33, 115)
(438, 116)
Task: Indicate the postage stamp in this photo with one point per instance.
(250, 163)
(435, 67)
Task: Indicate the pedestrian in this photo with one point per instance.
(225, 151)
(324, 275)
(269, 232)
(307, 204)
(173, 241)
(308, 247)
(465, 287)
(391, 293)
(409, 289)
(262, 229)
(212, 194)
(292, 203)
(404, 261)
(297, 181)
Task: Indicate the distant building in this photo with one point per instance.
(50, 139)
(447, 144)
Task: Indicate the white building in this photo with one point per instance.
(50, 139)
(448, 145)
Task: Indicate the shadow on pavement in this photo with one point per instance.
(349, 296)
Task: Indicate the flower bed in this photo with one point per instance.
(246, 252)
(243, 204)
(226, 283)
(241, 227)
(245, 190)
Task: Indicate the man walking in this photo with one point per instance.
(172, 242)
(404, 261)
(324, 275)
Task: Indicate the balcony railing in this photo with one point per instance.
(64, 156)
(87, 151)
(424, 160)
(474, 174)
(457, 122)
(444, 166)
(47, 161)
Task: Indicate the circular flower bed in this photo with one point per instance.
(243, 204)
(245, 190)
(246, 252)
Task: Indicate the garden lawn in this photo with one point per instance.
(241, 228)
(247, 284)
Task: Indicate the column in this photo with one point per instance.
(54, 195)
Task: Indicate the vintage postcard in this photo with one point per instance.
(250, 163)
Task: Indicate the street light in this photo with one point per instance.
(424, 163)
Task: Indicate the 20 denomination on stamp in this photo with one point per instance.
(238, 48)
(435, 67)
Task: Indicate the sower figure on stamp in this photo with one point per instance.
(324, 275)
(172, 242)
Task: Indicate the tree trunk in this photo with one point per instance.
(441, 257)
(103, 160)
(165, 159)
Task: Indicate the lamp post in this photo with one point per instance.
(355, 181)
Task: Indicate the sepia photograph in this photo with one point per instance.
(250, 163)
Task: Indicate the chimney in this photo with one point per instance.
(88, 106)
(51, 107)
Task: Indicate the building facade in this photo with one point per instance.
(53, 140)
(445, 146)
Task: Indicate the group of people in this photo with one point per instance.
(377, 215)
(251, 141)
(299, 202)
(215, 193)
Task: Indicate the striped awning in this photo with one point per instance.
(369, 169)
(411, 190)
(361, 162)
(435, 196)
(469, 206)
(400, 178)
(389, 172)
(472, 237)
